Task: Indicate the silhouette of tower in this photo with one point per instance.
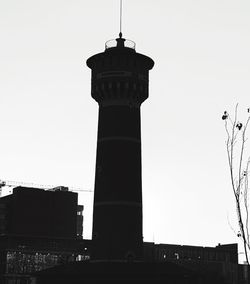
(119, 85)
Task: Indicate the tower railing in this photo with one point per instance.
(113, 43)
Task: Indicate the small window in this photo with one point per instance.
(176, 255)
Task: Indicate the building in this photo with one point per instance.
(119, 85)
(119, 272)
(221, 260)
(193, 263)
(36, 212)
(39, 229)
(22, 256)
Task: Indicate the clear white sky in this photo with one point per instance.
(48, 120)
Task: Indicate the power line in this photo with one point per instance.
(11, 183)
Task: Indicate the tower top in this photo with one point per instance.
(120, 43)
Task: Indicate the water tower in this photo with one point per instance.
(120, 85)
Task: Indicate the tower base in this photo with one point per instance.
(121, 272)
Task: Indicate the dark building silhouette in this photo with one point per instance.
(36, 212)
(22, 256)
(221, 260)
(25, 250)
(119, 85)
(39, 229)
(163, 263)
(120, 272)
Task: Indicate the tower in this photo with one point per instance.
(119, 84)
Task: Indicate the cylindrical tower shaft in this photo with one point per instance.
(119, 85)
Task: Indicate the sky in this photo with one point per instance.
(48, 119)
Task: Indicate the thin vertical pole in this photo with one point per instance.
(120, 34)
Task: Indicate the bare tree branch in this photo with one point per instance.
(239, 180)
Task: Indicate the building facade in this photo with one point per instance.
(39, 229)
(221, 260)
(36, 212)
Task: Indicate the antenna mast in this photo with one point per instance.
(120, 34)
